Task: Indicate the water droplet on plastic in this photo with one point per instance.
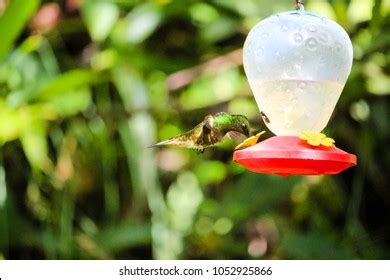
(322, 59)
(338, 47)
(259, 68)
(284, 28)
(259, 52)
(298, 38)
(311, 44)
(323, 37)
(249, 47)
(312, 28)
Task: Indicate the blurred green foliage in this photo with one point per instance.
(86, 86)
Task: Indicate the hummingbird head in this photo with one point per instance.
(241, 124)
(225, 123)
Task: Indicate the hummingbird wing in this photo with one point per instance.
(198, 138)
(185, 140)
(210, 134)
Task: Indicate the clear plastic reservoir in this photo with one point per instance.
(297, 64)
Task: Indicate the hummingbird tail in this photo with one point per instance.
(162, 143)
(178, 141)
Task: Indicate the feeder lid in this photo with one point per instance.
(289, 155)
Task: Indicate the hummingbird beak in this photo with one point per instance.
(246, 131)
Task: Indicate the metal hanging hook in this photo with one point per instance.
(300, 5)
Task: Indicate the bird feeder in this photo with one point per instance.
(297, 64)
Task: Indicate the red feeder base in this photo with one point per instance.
(289, 155)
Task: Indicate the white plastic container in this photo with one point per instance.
(297, 64)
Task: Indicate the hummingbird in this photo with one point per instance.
(210, 131)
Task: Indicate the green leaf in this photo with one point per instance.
(211, 172)
(217, 88)
(218, 30)
(139, 24)
(262, 192)
(13, 20)
(71, 102)
(35, 146)
(124, 236)
(68, 81)
(203, 13)
(100, 17)
(183, 199)
(12, 123)
(131, 87)
(314, 246)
